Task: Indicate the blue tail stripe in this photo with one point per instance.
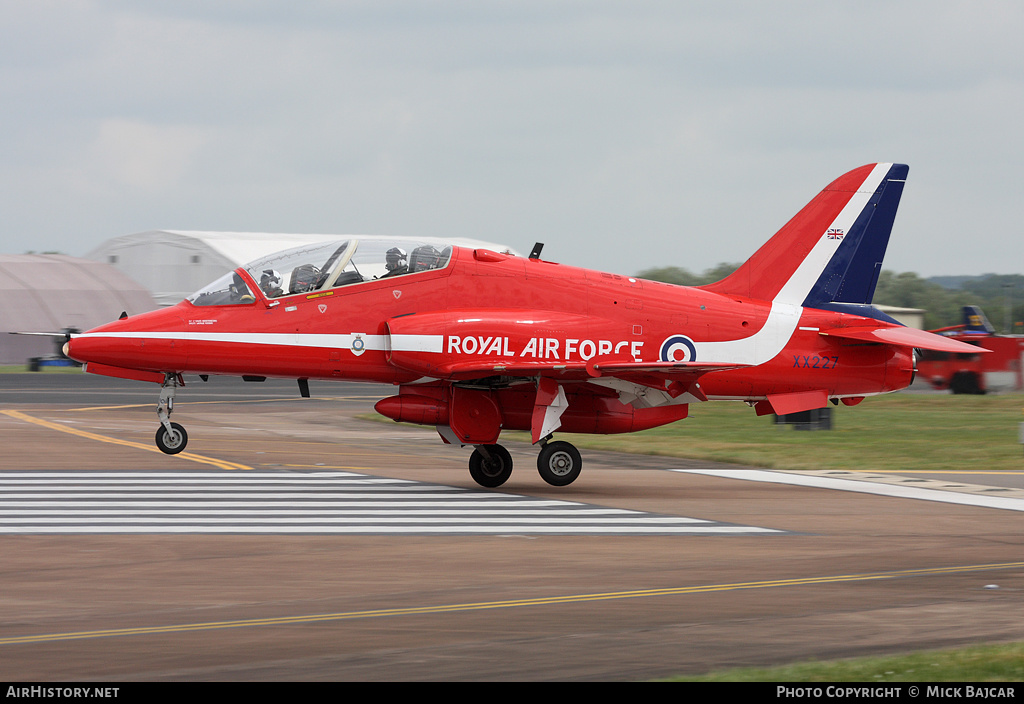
(852, 273)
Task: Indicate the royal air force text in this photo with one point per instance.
(542, 348)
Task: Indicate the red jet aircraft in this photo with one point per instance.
(478, 341)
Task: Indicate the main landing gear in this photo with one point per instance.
(559, 463)
(490, 465)
(170, 437)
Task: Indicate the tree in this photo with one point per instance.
(682, 277)
(943, 306)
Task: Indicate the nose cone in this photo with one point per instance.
(152, 341)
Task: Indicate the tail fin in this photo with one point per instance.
(975, 322)
(832, 250)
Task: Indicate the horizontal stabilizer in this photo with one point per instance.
(907, 337)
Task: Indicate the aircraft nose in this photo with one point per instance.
(151, 341)
(77, 350)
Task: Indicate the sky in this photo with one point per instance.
(623, 135)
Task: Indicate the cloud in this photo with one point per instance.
(690, 131)
(136, 156)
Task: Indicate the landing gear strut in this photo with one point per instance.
(490, 465)
(170, 437)
(559, 463)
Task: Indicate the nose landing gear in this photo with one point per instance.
(171, 441)
(171, 438)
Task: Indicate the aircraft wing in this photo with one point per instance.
(667, 369)
(909, 337)
(582, 370)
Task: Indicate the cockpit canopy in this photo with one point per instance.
(326, 265)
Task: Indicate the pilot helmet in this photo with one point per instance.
(395, 258)
(424, 258)
(304, 278)
(270, 280)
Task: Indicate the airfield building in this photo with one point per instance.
(173, 264)
(46, 293)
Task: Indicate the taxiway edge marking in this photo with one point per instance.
(862, 487)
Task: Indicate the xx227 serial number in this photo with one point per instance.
(814, 362)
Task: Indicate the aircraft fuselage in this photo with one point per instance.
(503, 312)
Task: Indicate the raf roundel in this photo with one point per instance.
(678, 348)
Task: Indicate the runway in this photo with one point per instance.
(272, 556)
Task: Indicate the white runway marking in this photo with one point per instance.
(864, 487)
(311, 503)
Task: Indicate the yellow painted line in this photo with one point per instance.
(221, 464)
(481, 606)
(323, 466)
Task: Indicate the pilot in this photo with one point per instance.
(239, 290)
(395, 262)
(424, 258)
(304, 278)
(270, 282)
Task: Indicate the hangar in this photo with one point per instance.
(50, 292)
(174, 264)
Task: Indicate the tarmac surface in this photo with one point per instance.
(293, 541)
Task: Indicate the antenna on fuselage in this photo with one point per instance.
(535, 252)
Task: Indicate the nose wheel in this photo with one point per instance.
(559, 463)
(170, 437)
(172, 442)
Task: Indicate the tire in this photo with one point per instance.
(966, 383)
(559, 463)
(491, 471)
(171, 444)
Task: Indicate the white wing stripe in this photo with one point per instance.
(403, 343)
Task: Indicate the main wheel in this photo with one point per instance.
(559, 463)
(174, 442)
(490, 466)
(966, 383)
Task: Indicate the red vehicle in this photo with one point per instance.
(974, 372)
(478, 341)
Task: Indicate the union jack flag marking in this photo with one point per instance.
(835, 234)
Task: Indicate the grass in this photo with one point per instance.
(983, 663)
(23, 369)
(901, 431)
(884, 433)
